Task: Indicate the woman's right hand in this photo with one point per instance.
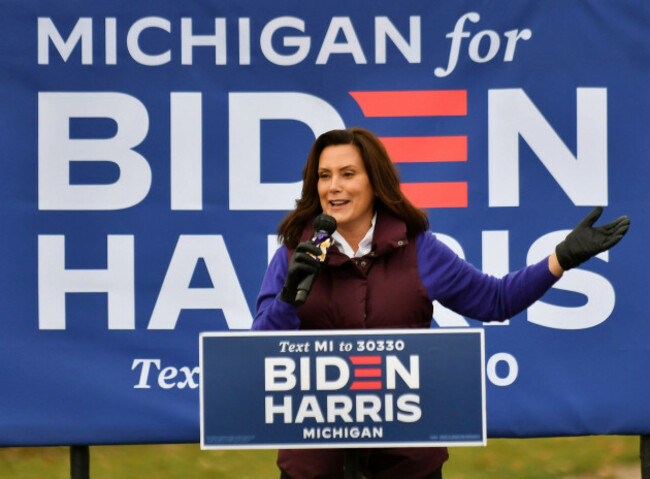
(303, 263)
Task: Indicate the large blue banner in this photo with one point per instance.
(149, 151)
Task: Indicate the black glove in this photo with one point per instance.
(585, 241)
(302, 264)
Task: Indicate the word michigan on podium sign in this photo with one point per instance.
(379, 388)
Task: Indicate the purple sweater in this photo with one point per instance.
(447, 278)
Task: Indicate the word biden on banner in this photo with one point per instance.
(511, 115)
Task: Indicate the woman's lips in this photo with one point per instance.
(338, 204)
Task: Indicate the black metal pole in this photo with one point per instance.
(79, 462)
(645, 457)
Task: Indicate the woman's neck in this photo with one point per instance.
(354, 236)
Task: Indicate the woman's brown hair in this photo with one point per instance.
(382, 175)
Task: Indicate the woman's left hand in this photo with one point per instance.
(586, 240)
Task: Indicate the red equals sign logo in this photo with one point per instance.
(422, 149)
(368, 368)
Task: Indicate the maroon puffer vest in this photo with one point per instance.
(380, 290)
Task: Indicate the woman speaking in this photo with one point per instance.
(383, 270)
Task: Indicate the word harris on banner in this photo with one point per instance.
(338, 389)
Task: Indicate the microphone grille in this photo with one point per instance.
(326, 223)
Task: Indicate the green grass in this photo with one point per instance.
(595, 456)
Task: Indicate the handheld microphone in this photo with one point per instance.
(324, 226)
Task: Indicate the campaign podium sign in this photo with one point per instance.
(353, 388)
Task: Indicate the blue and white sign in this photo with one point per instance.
(149, 151)
(342, 389)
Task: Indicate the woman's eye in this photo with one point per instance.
(323, 175)
(348, 173)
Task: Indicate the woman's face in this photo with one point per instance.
(344, 189)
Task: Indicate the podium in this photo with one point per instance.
(342, 389)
